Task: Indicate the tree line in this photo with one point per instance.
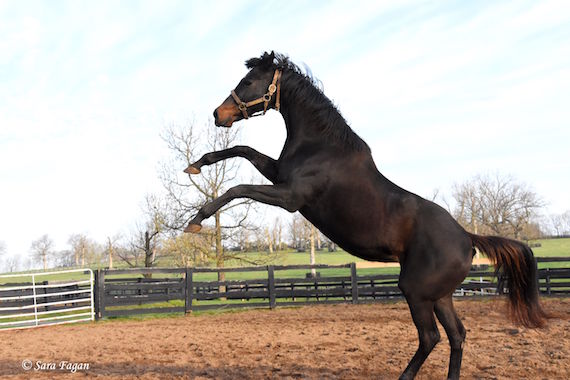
(501, 205)
(485, 204)
(153, 244)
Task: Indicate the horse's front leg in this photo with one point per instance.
(276, 195)
(267, 166)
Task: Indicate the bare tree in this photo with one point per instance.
(12, 263)
(42, 250)
(144, 242)
(2, 249)
(303, 233)
(186, 194)
(468, 204)
(142, 246)
(560, 223)
(279, 228)
(2, 252)
(312, 261)
(243, 239)
(189, 249)
(331, 245)
(270, 239)
(277, 234)
(130, 255)
(273, 236)
(298, 232)
(294, 233)
(556, 224)
(438, 197)
(84, 250)
(497, 205)
(566, 223)
(64, 258)
(532, 231)
(112, 248)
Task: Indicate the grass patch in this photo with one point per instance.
(552, 248)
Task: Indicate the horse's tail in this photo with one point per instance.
(516, 260)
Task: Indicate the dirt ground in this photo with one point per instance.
(316, 342)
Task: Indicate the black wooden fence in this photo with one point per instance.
(171, 290)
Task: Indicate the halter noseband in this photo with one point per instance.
(266, 98)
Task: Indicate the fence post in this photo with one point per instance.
(101, 292)
(189, 290)
(354, 282)
(96, 306)
(271, 286)
(548, 289)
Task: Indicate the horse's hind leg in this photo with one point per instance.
(422, 314)
(284, 196)
(455, 332)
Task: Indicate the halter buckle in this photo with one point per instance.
(272, 88)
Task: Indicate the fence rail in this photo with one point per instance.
(125, 292)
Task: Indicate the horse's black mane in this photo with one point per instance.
(303, 85)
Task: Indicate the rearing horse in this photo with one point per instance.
(326, 172)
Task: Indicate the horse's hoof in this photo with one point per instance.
(192, 170)
(193, 228)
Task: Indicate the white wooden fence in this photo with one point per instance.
(46, 298)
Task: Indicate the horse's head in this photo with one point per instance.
(254, 94)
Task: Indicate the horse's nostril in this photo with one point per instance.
(216, 114)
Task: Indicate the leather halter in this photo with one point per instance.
(275, 86)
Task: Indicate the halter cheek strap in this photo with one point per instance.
(274, 87)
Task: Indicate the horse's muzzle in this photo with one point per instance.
(223, 123)
(226, 114)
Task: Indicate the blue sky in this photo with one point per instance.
(441, 91)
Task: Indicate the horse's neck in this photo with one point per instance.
(300, 124)
(293, 115)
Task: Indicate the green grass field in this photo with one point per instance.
(552, 248)
(548, 248)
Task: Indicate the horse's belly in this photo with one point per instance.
(362, 237)
(368, 221)
(382, 254)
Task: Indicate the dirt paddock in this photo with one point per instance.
(316, 342)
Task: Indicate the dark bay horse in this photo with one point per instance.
(326, 172)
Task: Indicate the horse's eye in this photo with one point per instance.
(247, 82)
